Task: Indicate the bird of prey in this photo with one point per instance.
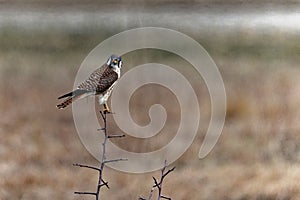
(100, 83)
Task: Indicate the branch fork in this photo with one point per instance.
(159, 184)
(104, 161)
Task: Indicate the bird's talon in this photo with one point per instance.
(106, 111)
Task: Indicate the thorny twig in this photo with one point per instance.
(101, 181)
(159, 184)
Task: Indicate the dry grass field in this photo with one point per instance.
(257, 156)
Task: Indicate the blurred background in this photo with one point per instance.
(255, 44)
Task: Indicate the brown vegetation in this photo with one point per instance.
(257, 156)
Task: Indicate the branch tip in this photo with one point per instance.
(115, 160)
(89, 193)
(116, 136)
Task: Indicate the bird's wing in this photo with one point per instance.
(100, 80)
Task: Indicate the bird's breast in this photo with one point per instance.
(103, 97)
(118, 71)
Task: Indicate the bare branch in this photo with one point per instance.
(86, 166)
(159, 184)
(170, 170)
(155, 182)
(101, 182)
(90, 193)
(115, 160)
(151, 193)
(104, 183)
(116, 136)
(102, 115)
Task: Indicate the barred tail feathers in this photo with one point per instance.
(73, 96)
(67, 102)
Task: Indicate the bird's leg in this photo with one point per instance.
(106, 108)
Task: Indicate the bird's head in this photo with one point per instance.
(114, 61)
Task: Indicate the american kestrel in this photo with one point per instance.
(100, 83)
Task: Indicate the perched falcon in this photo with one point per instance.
(100, 83)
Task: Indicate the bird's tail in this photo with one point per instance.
(66, 95)
(65, 103)
(72, 96)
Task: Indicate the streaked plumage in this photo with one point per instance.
(100, 83)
